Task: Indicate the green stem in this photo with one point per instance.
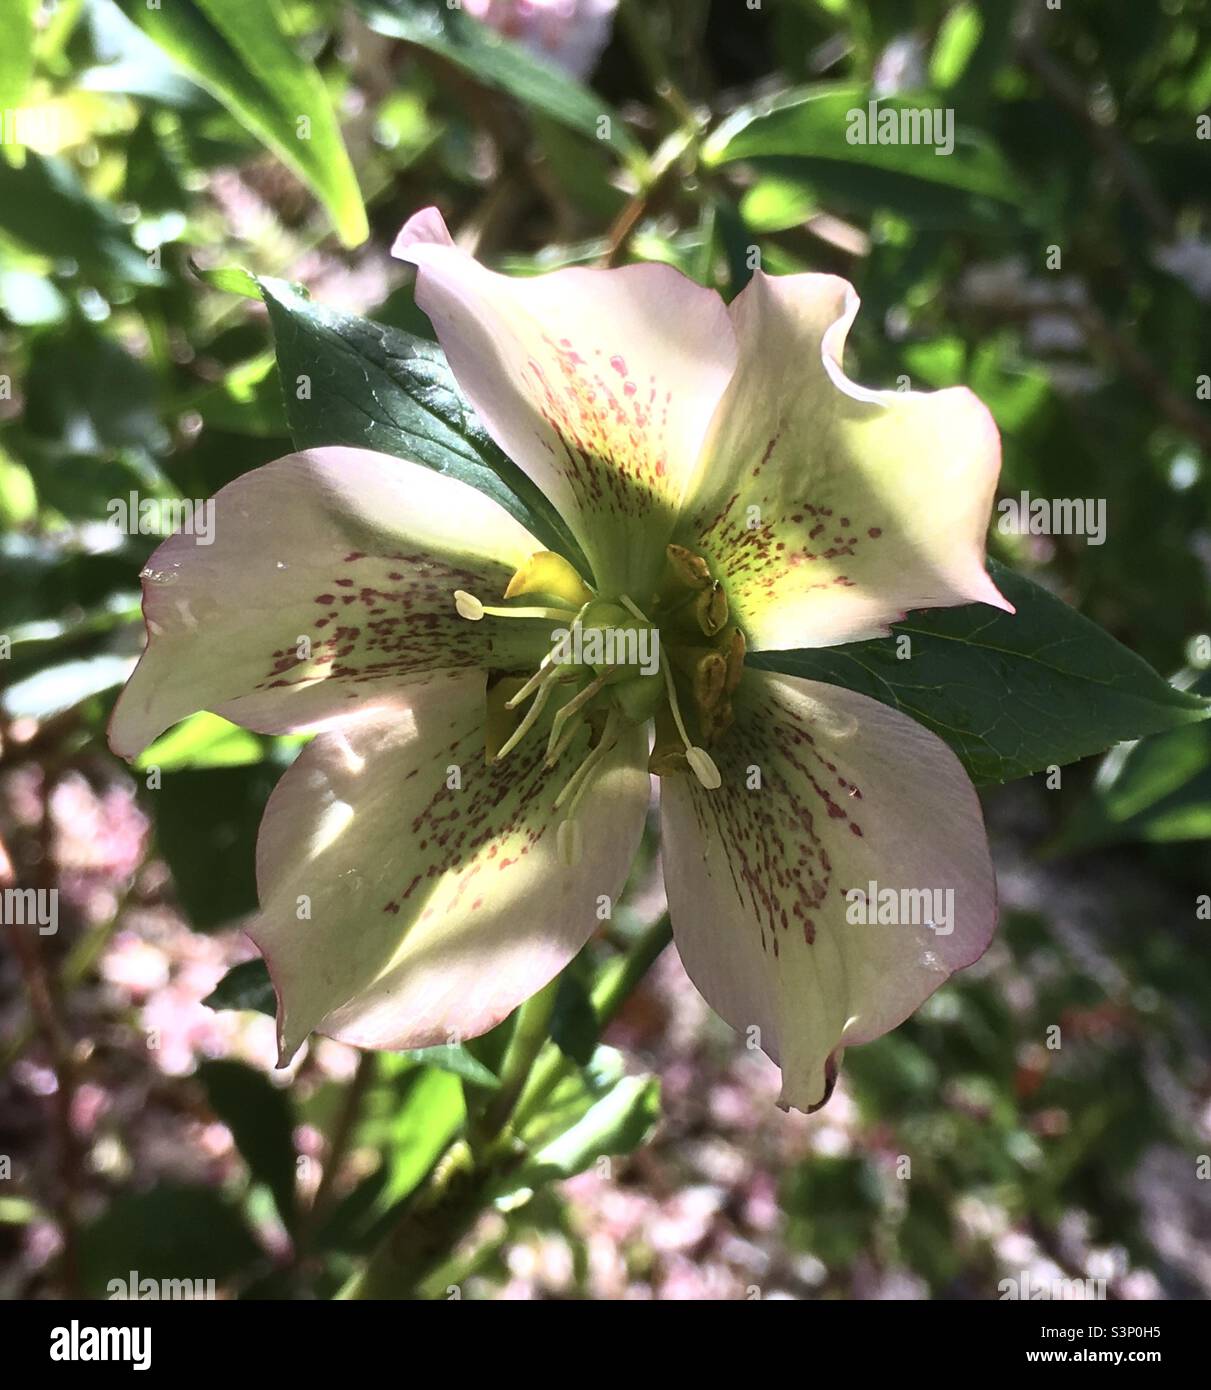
(429, 1227)
(447, 1206)
(608, 995)
(651, 56)
(342, 1137)
(529, 1035)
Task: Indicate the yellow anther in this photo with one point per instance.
(735, 659)
(710, 608)
(686, 569)
(468, 606)
(703, 767)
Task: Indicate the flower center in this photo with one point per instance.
(611, 662)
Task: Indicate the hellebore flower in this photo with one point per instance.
(444, 845)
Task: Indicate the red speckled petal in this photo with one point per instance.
(824, 791)
(829, 510)
(431, 910)
(600, 384)
(357, 553)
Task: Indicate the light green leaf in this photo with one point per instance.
(17, 53)
(958, 37)
(203, 740)
(232, 279)
(617, 1124)
(58, 688)
(1157, 791)
(773, 204)
(816, 127)
(592, 1113)
(241, 54)
(456, 1060)
(410, 1117)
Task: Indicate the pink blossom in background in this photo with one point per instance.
(573, 34)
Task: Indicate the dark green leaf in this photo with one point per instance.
(351, 381)
(1011, 693)
(261, 1120)
(574, 1020)
(206, 825)
(170, 1232)
(88, 395)
(798, 141)
(43, 205)
(832, 1204)
(245, 986)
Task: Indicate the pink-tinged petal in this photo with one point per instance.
(824, 792)
(600, 384)
(830, 510)
(399, 910)
(352, 552)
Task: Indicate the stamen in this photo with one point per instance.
(701, 763)
(554, 755)
(529, 719)
(573, 706)
(568, 838)
(710, 608)
(473, 610)
(577, 784)
(554, 615)
(538, 676)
